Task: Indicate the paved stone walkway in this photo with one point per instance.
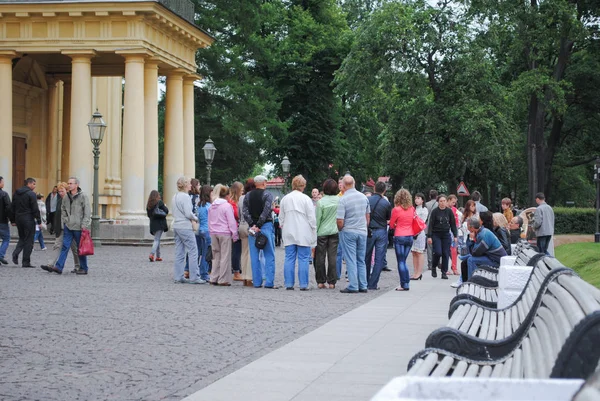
(126, 332)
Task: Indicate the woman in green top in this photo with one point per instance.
(327, 235)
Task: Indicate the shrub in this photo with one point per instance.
(574, 220)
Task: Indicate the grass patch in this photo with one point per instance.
(584, 258)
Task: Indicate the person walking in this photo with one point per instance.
(257, 211)
(27, 215)
(5, 216)
(183, 234)
(476, 197)
(327, 235)
(381, 210)
(61, 191)
(420, 242)
(299, 232)
(353, 216)
(543, 223)
(441, 222)
(430, 205)
(223, 229)
(243, 234)
(401, 222)
(75, 212)
(39, 234)
(157, 212)
(51, 202)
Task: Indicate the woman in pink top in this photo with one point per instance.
(401, 222)
(222, 228)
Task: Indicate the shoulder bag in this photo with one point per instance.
(418, 224)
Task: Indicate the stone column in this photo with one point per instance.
(189, 156)
(132, 172)
(6, 122)
(80, 150)
(52, 144)
(150, 126)
(173, 153)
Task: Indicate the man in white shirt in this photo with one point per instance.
(299, 231)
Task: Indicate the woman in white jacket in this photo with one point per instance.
(299, 233)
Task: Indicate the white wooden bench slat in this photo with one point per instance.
(550, 324)
(485, 371)
(527, 301)
(547, 352)
(514, 320)
(581, 293)
(476, 325)
(516, 372)
(464, 327)
(460, 369)
(427, 365)
(477, 292)
(485, 325)
(506, 368)
(507, 323)
(537, 354)
(415, 368)
(443, 367)
(494, 295)
(527, 358)
(572, 308)
(495, 325)
(521, 314)
(459, 316)
(472, 371)
(559, 315)
(593, 290)
(497, 370)
(471, 290)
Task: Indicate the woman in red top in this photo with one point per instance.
(401, 222)
(235, 192)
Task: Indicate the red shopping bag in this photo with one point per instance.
(86, 246)
(418, 224)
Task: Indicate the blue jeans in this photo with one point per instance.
(289, 266)
(203, 241)
(339, 257)
(68, 237)
(402, 246)
(156, 244)
(543, 242)
(355, 247)
(269, 254)
(378, 242)
(473, 262)
(39, 236)
(5, 237)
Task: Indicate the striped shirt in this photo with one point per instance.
(353, 208)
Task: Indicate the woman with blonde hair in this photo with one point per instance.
(401, 222)
(502, 232)
(183, 234)
(299, 232)
(223, 229)
(235, 192)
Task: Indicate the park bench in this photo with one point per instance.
(487, 293)
(590, 391)
(558, 341)
(478, 331)
(488, 275)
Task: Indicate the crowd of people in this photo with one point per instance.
(225, 234)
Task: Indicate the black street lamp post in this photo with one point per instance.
(285, 166)
(597, 181)
(209, 155)
(97, 127)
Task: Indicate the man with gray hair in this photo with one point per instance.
(487, 249)
(353, 215)
(257, 213)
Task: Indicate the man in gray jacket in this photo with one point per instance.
(75, 216)
(543, 223)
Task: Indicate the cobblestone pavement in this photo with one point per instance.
(126, 332)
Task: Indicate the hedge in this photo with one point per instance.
(574, 220)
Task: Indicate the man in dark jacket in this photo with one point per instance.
(27, 215)
(4, 217)
(51, 208)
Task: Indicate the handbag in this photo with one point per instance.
(86, 245)
(158, 212)
(261, 241)
(418, 224)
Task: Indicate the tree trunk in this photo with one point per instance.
(535, 148)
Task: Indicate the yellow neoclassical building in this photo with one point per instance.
(62, 60)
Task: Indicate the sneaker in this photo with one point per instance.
(158, 259)
(456, 284)
(444, 276)
(151, 257)
(44, 249)
(3, 261)
(182, 281)
(197, 281)
(81, 272)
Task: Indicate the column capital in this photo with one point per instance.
(152, 62)
(176, 73)
(138, 52)
(191, 78)
(8, 55)
(79, 54)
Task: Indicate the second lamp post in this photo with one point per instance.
(209, 155)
